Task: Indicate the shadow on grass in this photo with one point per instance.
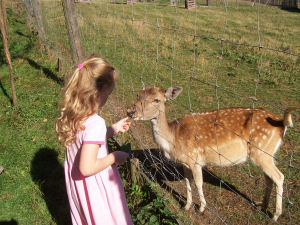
(48, 173)
(156, 164)
(48, 73)
(11, 222)
(5, 93)
(295, 10)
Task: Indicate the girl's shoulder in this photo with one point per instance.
(95, 130)
(94, 119)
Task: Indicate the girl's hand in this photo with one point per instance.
(120, 157)
(121, 126)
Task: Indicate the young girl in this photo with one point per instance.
(93, 183)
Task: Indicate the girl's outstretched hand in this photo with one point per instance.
(121, 126)
(120, 157)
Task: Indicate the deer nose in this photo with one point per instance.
(130, 114)
(131, 111)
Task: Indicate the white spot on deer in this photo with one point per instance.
(264, 137)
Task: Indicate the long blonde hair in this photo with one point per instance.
(82, 96)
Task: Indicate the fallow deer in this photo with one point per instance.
(223, 137)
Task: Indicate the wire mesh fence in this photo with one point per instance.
(227, 54)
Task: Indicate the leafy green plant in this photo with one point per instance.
(152, 207)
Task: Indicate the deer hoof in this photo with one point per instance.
(202, 208)
(187, 207)
(260, 203)
(275, 218)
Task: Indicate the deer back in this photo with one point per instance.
(226, 136)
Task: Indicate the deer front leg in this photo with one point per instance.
(188, 177)
(198, 177)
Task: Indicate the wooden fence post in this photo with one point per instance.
(189, 4)
(29, 14)
(73, 31)
(39, 21)
(6, 50)
(135, 171)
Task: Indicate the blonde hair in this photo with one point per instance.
(82, 96)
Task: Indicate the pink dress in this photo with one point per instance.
(100, 198)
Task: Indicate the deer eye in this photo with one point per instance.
(156, 100)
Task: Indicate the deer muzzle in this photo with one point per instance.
(131, 110)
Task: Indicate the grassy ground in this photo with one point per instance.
(32, 184)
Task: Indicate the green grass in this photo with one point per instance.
(30, 154)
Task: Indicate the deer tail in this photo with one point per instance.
(287, 120)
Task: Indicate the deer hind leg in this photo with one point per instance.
(198, 177)
(268, 190)
(188, 176)
(277, 177)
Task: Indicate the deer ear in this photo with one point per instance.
(172, 93)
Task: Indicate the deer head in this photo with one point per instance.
(151, 102)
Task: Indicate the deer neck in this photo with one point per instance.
(163, 134)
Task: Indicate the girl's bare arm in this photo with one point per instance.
(90, 165)
(121, 126)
